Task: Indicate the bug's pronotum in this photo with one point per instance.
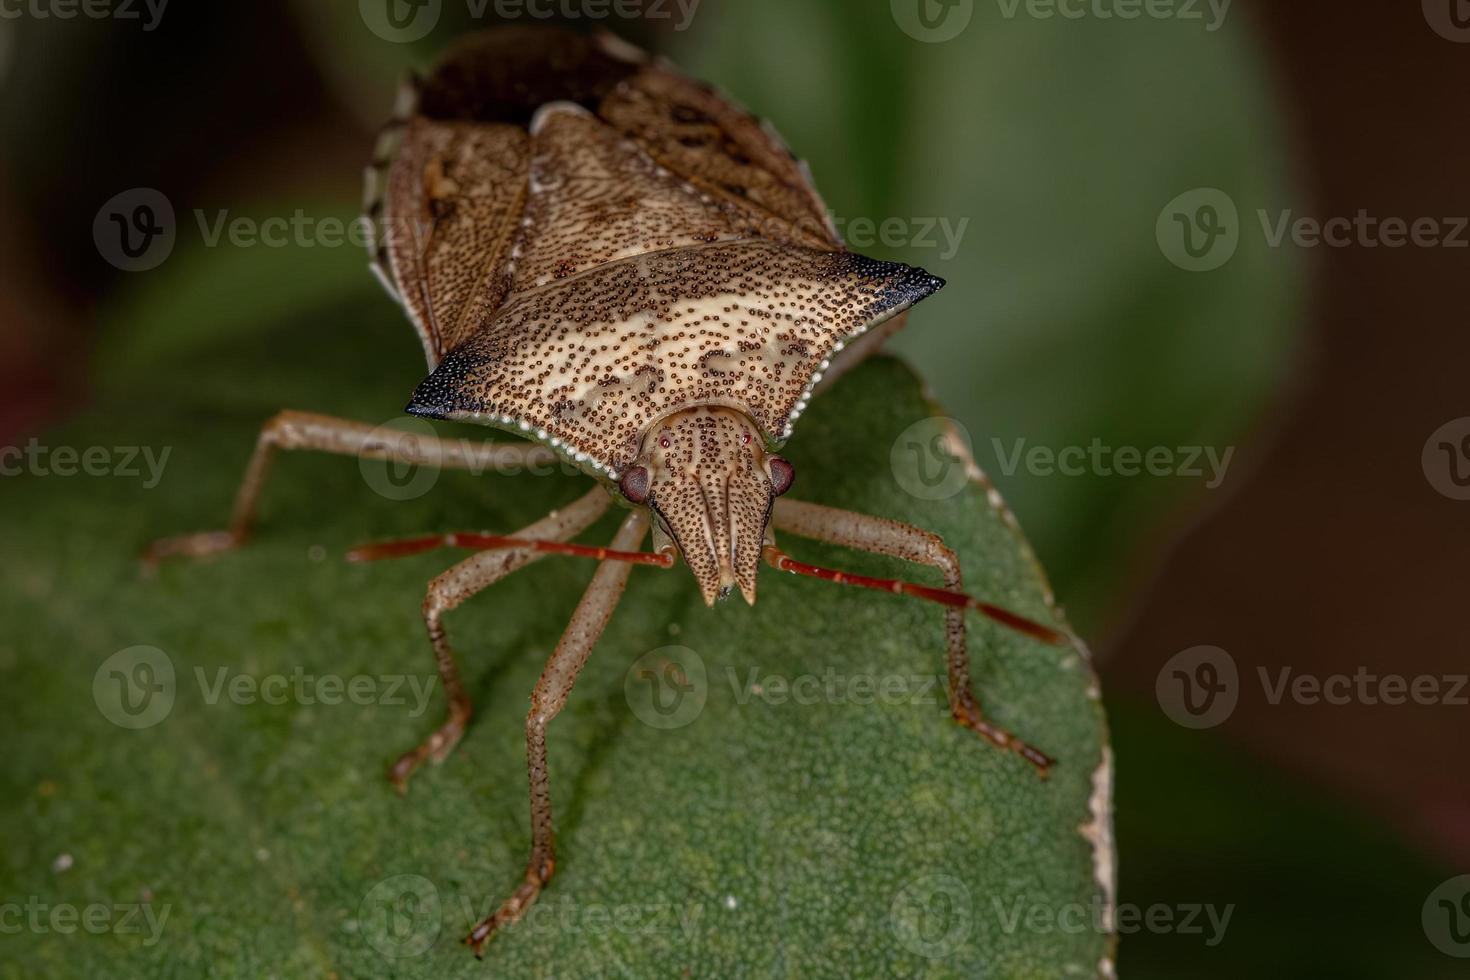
(622, 266)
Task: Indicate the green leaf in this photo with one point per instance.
(804, 836)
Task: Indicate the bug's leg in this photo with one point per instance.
(547, 700)
(324, 433)
(898, 540)
(453, 587)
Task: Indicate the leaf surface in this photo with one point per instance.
(821, 815)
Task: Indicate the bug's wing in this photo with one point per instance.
(594, 198)
(587, 363)
(447, 188)
(722, 149)
(454, 194)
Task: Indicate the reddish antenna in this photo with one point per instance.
(781, 561)
(490, 542)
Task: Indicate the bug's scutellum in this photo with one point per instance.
(621, 265)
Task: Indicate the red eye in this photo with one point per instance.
(783, 474)
(634, 484)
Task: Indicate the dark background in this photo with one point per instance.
(1326, 550)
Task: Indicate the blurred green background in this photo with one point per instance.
(1026, 159)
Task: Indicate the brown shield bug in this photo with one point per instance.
(634, 274)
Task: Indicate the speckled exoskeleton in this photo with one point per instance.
(631, 272)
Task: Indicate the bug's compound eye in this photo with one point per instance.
(634, 484)
(783, 474)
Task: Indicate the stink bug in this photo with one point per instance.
(626, 269)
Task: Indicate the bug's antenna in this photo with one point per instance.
(489, 542)
(781, 561)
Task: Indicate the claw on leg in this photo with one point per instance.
(200, 545)
(510, 910)
(435, 748)
(967, 713)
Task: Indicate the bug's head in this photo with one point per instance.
(709, 482)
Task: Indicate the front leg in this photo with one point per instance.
(897, 540)
(547, 700)
(447, 591)
(325, 433)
